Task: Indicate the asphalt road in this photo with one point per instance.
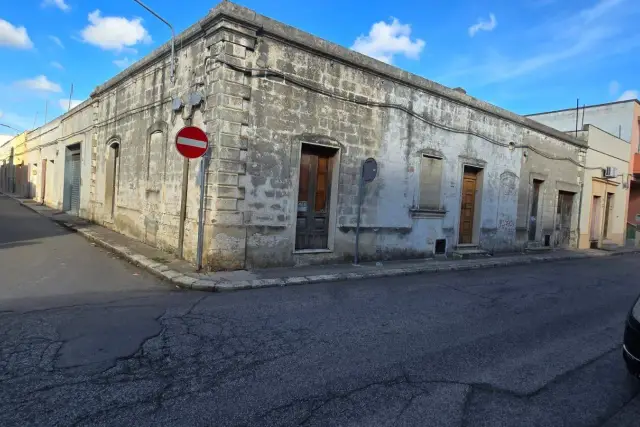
(86, 339)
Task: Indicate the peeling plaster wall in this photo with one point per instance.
(257, 125)
(136, 114)
(134, 110)
(557, 175)
(620, 119)
(49, 143)
(284, 115)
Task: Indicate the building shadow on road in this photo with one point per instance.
(10, 245)
(19, 224)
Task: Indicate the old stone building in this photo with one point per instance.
(290, 119)
(549, 192)
(620, 119)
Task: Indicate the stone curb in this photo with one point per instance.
(187, 282)
(223, 286)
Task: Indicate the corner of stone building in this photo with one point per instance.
(93, 214)
(227, 120)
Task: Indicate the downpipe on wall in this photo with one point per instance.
(203, 171)
(579, 215)
(183, 206)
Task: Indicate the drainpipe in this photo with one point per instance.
(204, 163)
(580, 213)
(183, 205)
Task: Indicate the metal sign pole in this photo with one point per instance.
(201, 211)
(192, 143)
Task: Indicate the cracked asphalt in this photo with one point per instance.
(89, 340)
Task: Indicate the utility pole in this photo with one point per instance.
(70, 95)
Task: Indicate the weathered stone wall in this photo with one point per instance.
(556, 164)
(268, 89)
(229, 94)
(293, 104)
(284, 115)
(136, 115)
(48, 143)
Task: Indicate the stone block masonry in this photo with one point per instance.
(301, 97)
(290, 118)
(227, 122)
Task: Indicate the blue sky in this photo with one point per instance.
(524, 55)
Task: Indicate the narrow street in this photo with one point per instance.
(87, 339)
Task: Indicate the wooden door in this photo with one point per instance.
(467, 209)
(607, 214)
(312, 225)
(594, 233)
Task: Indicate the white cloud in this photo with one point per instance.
(114, 32)
(57, 41)
(386, 40)
(40, 83)
(57, 65)
(64, 103)
(60, 4)
(629, 94)
(562, 42)
(483, 25)
(614, 88)
(14, 36)
(123, 62)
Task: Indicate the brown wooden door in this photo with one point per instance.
(607, 214)
(594, 233)
(312, 225)
(467, 208)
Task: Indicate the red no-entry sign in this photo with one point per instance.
(192, 142)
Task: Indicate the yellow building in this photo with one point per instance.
(14, 171)
(605, 192)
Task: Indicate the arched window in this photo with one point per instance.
(156, 155)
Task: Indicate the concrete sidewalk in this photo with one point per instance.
(183, 274)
